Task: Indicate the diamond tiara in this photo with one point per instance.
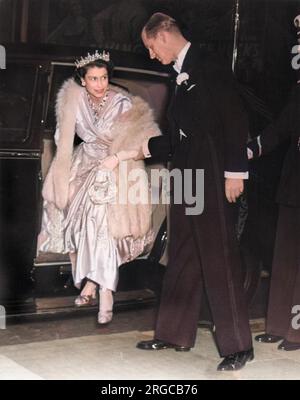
(92, 57)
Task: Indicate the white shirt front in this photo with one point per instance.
(180, 58)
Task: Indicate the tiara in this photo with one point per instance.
(92, 57)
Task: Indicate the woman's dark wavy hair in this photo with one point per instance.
(80, 73)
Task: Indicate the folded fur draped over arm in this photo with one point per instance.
(56, 185)
(132, 129)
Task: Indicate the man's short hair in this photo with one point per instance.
(160, 22)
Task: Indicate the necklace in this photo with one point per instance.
(97, 107)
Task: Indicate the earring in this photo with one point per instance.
(83, 83)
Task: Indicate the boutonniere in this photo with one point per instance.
(182, 78)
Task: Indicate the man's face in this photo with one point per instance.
(159, 47)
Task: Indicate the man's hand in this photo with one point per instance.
(233, 189)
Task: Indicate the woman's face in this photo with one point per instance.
(96, 81)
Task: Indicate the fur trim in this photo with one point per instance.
(56, 186)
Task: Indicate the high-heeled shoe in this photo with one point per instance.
(105, 317)
(106, 302)
(86, 299)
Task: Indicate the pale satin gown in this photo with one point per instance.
(83, 227)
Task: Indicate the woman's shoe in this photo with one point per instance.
(105, 317)
(106, 302)
(85, 300)
(87, 296)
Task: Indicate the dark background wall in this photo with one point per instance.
(264, 43)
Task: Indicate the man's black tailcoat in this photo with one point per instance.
(203, 250)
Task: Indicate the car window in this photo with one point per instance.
(59, 73)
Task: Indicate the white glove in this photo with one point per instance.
(126, 154)
(110, 162)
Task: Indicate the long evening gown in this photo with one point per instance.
(82, 228)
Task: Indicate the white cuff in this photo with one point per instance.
(145, 149)
(236, 175)
(249, 153)
(259, 146)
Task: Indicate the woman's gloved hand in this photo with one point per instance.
(111, 162)
(126, 154)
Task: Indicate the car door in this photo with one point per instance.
(22, 85)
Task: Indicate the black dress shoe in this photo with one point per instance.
(267, 338)
(236, 361)
(288, 346)
(156, 344)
